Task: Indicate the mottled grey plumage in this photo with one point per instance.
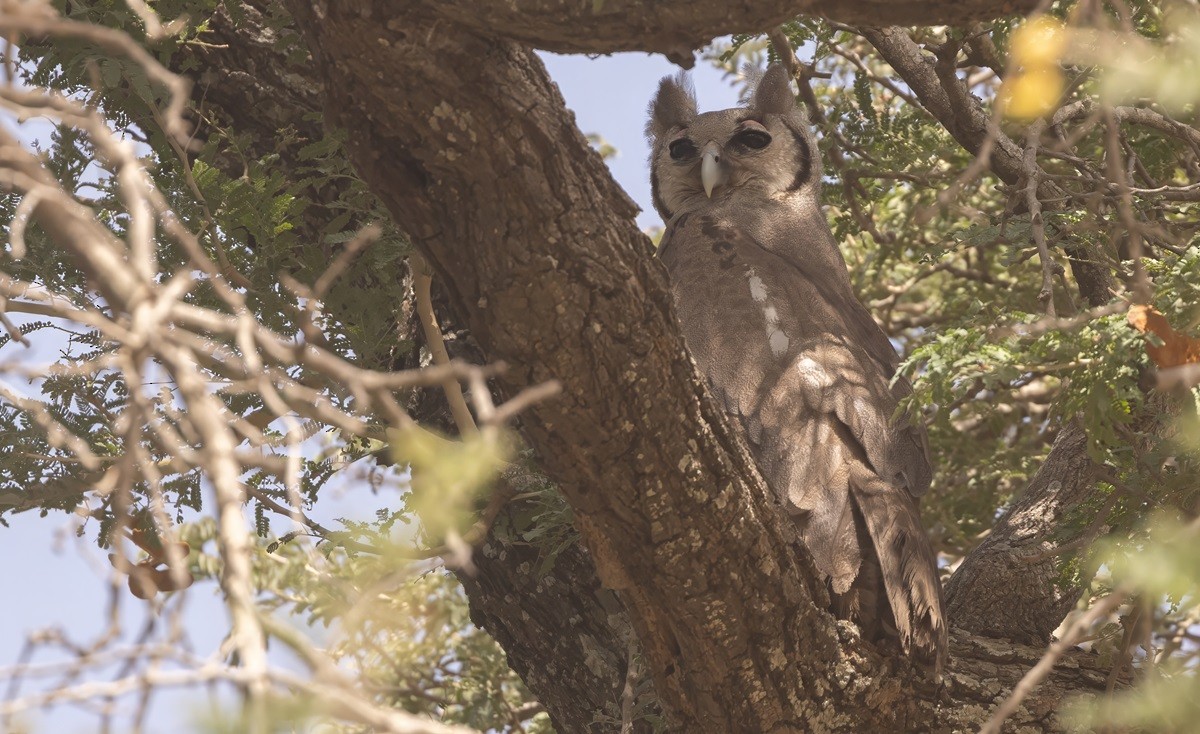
(769, 314)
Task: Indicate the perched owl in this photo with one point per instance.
(769, 314)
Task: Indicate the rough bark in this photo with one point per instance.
(550, 274)
(1002, 573)
(568, 637)
(243, 82)
(675, 29)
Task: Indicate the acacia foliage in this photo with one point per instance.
(957, 281)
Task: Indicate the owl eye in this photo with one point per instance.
(682, 148)
(753, 139)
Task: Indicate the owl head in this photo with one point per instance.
(763, 150)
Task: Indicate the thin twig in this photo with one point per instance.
(422, 284)
(1033, 136)
(1064, 323)
(1116, 173)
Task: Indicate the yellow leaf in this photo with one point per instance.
(1032, 93)
(1038, 43)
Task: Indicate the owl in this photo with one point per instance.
(769, 315)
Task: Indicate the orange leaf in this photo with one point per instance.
(1176, 348)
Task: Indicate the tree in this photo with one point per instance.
(957, 220)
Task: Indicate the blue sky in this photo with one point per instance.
(56, 580)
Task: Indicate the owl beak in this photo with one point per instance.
(711, 175)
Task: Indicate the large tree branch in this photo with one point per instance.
(538, 612)
(947, 98)
(677, 27)
(565, 634)
(545, 265)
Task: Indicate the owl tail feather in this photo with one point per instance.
(908, 566)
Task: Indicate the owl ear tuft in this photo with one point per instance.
(673, 106)
(773, 95)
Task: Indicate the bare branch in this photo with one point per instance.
(1033, 136)
(1043, 325)
(422, 282)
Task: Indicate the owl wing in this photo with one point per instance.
(900, 444)
(890, 472)
(908, 444)
(869, 460)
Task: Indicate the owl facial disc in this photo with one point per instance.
(712, 174)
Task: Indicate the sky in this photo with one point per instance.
(53, 579)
